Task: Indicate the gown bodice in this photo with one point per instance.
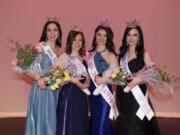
(100, 63)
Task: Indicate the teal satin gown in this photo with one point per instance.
(41, 113)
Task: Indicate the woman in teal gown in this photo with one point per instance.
(41, 112)
(104, 56)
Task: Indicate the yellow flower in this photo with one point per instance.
(117, 70)
(56, 85)
(52, 87)
(67, 78)
(58, 81)
(113, 75)
(66, 73)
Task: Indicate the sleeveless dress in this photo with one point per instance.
(99, 108)
(128, 123)
(72, 111)
(41, 113)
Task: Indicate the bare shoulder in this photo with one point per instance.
(147, 58)
(111, 58)
(58, 50)
(63, 55)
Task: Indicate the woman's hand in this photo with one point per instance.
(99, 80)
(134, 81)
(76, 80)
(41, 83)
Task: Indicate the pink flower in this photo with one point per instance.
(19, 62)
(35, 50)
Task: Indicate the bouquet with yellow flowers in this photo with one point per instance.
(113, 73)
(57, 77)
(118, 77)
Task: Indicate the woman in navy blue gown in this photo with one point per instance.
(72, 109)
(103, 55)
(41, 113)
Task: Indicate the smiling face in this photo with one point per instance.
(52, 32)
(132, 37)
(101, 37)
(77, 43)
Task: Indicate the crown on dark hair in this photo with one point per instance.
(53, 19)
(105, 23)
(75, 28)
(132, 24)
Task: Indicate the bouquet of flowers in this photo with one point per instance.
(158, 79)
(119, 77)
(25, 55)
(57, 77)
(115, 74)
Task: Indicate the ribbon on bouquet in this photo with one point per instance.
(105, 92)
(142, 100)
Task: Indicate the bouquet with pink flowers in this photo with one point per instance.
(25, 55)
(158, 79)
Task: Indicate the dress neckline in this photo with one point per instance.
(101, 51)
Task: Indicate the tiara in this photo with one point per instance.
(53, 19)
(75, 28)
(105, 23)
(132, 24)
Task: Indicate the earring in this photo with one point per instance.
(127, 44)
(138, 43)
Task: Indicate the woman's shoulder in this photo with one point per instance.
(111, 57)
(58, 51)
(147, 58)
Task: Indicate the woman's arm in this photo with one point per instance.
(37, 77)
(135, 80)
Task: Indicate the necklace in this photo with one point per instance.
(101, 50)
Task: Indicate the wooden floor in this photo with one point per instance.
(15, 126)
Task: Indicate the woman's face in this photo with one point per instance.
(52, 32)
(133, 37)
(101, 37)
(77, 43)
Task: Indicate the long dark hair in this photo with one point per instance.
(71, 37)
(139, 48)
(109, 43)
(44, 32)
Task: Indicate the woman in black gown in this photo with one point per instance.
(137, 116)
(72, 109)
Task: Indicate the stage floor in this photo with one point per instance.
(15, 126)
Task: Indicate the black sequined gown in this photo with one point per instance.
(128, 123)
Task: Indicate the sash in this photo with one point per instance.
(79, 69)
(47, 49)
(105, 92)
(144, 107)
